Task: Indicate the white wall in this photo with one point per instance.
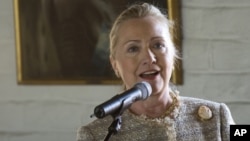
(217, 53)
(216, 64)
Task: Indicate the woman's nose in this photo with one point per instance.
(149, 57)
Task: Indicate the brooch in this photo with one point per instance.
(204, 112)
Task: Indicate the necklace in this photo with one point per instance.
(171, 111)
(167, 120)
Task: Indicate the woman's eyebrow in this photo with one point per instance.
(157, 37)
(131, 41)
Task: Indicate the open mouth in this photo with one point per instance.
(149, 74)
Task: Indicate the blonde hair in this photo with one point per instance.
(137, 11)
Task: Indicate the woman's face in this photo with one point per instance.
(144, 53)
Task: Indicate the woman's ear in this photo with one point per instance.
(114, 66)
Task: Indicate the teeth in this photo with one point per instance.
(150, 72)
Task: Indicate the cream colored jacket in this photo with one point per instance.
(187, 123)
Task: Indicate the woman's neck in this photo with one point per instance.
(153, 107)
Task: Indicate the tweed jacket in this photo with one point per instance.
(186, 125)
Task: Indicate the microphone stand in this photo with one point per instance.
(114, 127)
(116, 124)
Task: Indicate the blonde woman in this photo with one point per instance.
(141, 50)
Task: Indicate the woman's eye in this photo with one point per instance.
(133, 49)
(159, 46)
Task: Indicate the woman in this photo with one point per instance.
(141, 50)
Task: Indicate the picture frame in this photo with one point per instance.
(66, 42)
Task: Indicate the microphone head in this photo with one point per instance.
(146, 89)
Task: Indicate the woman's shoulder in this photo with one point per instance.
(193, 101)
(206, 118)
(203, 108)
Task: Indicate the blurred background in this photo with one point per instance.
(216, 63)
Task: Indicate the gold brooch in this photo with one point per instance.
(204, 112)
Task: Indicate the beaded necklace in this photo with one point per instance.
(172, 111)
(174, 106)
(167, 120)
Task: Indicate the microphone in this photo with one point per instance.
(117, 104)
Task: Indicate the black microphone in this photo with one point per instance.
(117, 104)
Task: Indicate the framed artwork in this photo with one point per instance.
(66, 42)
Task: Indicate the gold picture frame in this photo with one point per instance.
(57, 44)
